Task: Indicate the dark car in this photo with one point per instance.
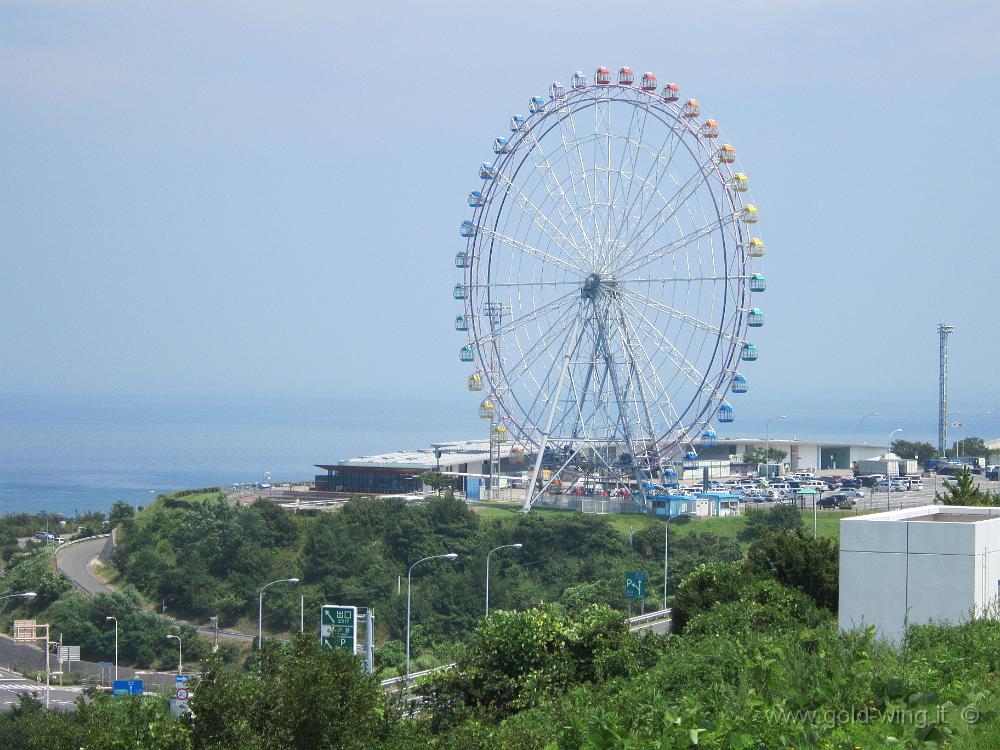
(851, 483)
(830, 501)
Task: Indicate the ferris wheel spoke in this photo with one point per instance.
(691, 185)
(674, 140)
(522, 367)
(678, 279)
(638, 261)
(676, 355)
(541, 220)
(493, 334)
(509, 284)
(533, 251)
(562, 194)
(627, 201)
(583, 174)
(569, 347)
(626, 148)
(684, 318)
(635, 378)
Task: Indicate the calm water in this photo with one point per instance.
(64, 454)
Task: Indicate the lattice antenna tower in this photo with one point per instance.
(943, 330)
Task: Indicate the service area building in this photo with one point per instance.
(935, 563)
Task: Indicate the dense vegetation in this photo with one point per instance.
(757, 665)
(204, 556)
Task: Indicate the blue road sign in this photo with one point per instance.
(126, 687)
(181, 680)
(635, 585)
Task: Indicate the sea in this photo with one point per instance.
(69, 454)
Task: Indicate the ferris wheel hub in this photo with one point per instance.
(598, 283)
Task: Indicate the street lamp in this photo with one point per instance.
(409, 584)
(25, 595)
(666, 527)
(180, 653)
(861, 423)
(109, 617)
(502, 546)
(888, 482)
(767, 450)
(260, 609)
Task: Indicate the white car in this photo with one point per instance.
(851, 492)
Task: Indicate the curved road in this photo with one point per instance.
(74, 560)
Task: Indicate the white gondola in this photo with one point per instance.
(579, 80)
(557, 91)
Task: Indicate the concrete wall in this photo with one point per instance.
(895, 571)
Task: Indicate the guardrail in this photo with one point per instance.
(650, 618)
(402, 680)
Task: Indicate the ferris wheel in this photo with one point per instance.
(608, 280)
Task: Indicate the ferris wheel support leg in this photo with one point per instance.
(529, 496)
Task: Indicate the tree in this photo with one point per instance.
(760, 455)
(120, 512)
(812, 565)
(909, 449)
(438, 481)
(963, 491)
(970, 446)
(778, 518)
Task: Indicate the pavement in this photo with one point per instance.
(75, 559)
(12, 684)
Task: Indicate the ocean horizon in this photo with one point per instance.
(65, 454)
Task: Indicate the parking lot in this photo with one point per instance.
(877, 501)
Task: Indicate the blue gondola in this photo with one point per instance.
(758, 282)
(461, 323)
(462, 259)
(749, 352)
(756, 317)
(740, 384)
(476, 199)
(536, 105)
(487, 171)
(709, 436)
(501, 145)
(459, 291)
(726, 413)
(468, 229)
(517, 123)
(466, 353)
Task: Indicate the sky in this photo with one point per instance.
(263, 198)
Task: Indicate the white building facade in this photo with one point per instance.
(934, 563)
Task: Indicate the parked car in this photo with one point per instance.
(830, 501)
(851, 492)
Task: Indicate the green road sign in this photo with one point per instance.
(338, 627)
(635, 585)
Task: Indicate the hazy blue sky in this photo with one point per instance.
(263, 197)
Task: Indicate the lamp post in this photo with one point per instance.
(888, 481)
(502, 546)
(180, 653)
(767, 443)
(109, 617)
(409, 585)
(861, 423)
(260, 609)
(666, 550)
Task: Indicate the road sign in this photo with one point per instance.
(68, 653)
(338, 627)
(126, 687)
(24, 630)
(182, 694)
(635, 585)
(180, 680)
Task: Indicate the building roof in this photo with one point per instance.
(933, 514)
(424, 459)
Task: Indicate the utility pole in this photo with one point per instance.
(943, 330)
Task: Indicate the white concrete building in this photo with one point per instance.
(934, 563)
